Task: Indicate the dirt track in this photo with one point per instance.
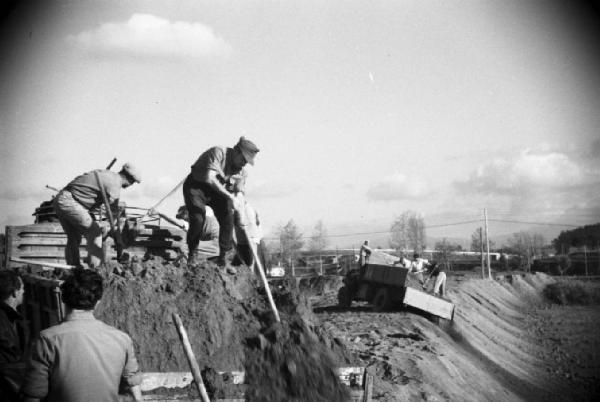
(507, 343)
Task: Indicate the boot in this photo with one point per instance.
(192, 258)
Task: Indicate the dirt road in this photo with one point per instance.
(507, 343)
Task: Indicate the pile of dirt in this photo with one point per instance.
(230, 328)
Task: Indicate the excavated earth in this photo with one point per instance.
(507, 341)
(230, 327)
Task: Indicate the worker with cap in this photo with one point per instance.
(74, 203)
(210, 183)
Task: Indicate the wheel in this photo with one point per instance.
(382, 300)
(344, 297)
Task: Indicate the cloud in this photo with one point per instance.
(264, 189)
(397, 187)
(527, 172)
(150, 36)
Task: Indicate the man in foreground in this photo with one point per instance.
(12, 343)
(210, 183)
(81, 359)
(83, 194)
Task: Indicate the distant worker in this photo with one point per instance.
(74, 203)
(364, 254)
(82, 359)
(418, 266)
(12, 340)
(438, 271)
(210, 183)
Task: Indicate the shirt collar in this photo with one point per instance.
(75, 315)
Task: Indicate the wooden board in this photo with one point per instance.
(173, 380)
(429, 303)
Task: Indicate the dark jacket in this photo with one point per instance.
(12, 365)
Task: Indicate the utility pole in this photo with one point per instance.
(487, 244)
(481, 251)
(585, 259)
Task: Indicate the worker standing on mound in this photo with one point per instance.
(210, 183)
(82, 195)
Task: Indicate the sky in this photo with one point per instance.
(362, 110)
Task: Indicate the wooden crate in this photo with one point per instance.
(42, 305)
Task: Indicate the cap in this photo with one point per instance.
(132, 171)
(248, 149)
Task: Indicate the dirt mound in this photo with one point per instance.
(230, 328)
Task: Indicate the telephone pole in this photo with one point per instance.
(487, 244)
(481, 252)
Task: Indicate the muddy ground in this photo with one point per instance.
(506, 343)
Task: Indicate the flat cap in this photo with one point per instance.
(132, 172)
(248, 149)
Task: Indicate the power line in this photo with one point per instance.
(534, 223)
(382, 232)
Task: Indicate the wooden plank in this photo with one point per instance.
(368, 396)
(43, 264)
(429, 303)
(154, 380)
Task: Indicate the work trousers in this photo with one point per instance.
(440, 284)
(77, 221)
(197, 196)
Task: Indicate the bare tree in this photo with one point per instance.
(318, 240)
(445, 249)
(408, 232)
(476, 240)
(526, 245)
(290, 241)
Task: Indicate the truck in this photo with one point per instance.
(385, 286)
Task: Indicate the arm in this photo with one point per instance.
(213, 180)
(37, 375)
(131, 374)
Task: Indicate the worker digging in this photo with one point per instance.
(210, 183)
(83, 194)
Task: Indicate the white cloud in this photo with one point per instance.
(397, 187)
(260, 189)
(526, 172)
(151, 36)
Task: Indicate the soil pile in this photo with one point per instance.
(230, 328)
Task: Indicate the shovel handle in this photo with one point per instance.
(189, 354)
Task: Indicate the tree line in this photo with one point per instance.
(408, 233)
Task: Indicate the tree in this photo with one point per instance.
(527, 246)
(588, 236)
(290, 241)
(476, 239)
(318, 240)
(408, 232)
(445, 248)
